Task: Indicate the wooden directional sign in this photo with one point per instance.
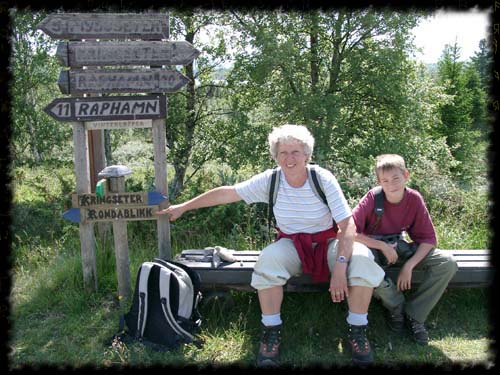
(156, 53)
(105, 26)
(108, 108)
(114, 206)
(117, 199)
(120, 80)
(127, 213)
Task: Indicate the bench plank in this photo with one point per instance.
(474, 270)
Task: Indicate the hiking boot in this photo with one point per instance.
(269, 346)
(418, 331)
(359, 345)
(396, 319)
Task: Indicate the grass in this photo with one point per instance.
(56, 322)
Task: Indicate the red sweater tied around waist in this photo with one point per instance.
(314, 260)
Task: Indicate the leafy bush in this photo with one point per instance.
(134, 154)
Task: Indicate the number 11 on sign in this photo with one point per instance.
(63, 110)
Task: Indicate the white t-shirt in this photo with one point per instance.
(298, 210)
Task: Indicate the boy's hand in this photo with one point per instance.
(404, 277)
(390, 253)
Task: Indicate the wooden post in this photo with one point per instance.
(160, 160)
(117, 185)
(97, 156)
(87, 240)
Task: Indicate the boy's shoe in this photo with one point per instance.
(359, 345)
(269, 346)
(396, 319)
(418, 331)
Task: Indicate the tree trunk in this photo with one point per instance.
(314, 62)
(336, 53)
(107, 147)
(178, 181)
(181, 160)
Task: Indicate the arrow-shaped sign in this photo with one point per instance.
(154, 198)
(108, 108)
(120, 80)
(78, 54)
(105, 26)
(127, 213)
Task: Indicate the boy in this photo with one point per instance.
(404, 211)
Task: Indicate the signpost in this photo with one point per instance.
(117, 199)
(143, 46)
(78, 54)
(105, 26)
(120, 80)
(108, 108)
(125, 213)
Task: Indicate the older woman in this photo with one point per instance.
(308, 230)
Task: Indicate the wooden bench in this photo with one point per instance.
(474, 270)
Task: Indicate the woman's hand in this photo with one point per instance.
(338, 282)
(173, 212)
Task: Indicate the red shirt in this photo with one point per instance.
(410, 215)
(314, 259)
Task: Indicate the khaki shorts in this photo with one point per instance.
(279, 261)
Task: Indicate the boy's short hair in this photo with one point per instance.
(386, 162)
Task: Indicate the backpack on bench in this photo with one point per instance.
(164, 311)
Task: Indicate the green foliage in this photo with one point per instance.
(35, 136)
(36, 211)
(314, 68)
(465, 116)
(483, 62)
(231, 223)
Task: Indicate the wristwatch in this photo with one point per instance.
(342, 259)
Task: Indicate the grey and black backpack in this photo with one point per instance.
(164, 311)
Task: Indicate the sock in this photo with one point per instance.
(271, 320)
(356, 319)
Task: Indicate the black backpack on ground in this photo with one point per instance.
(164, 311)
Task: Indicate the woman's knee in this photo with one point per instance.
(358, 249)
(279, 258)
(274, 253)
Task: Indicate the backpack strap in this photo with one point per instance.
(164, 281)
(379, 205)
(194, 318)
(143, 297)
(186, 291)
(316, 185)
(272, 194)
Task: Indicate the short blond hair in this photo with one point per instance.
(290, 133)
(386, 162)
